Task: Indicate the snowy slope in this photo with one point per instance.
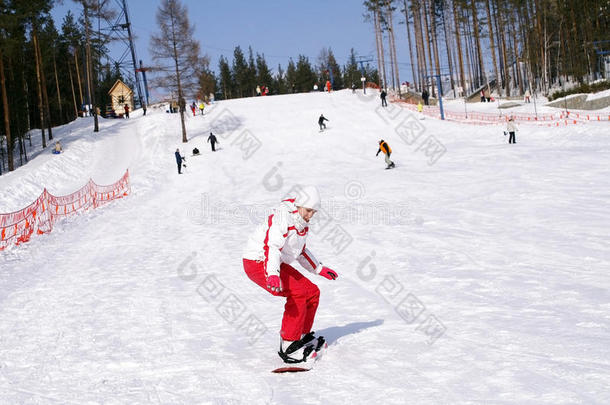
(504, 248)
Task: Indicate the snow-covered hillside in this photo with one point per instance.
(476, 272)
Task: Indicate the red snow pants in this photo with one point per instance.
(302, 297)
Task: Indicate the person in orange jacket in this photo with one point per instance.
(385, 148)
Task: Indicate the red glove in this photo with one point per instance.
(274, 284)
(328, 273)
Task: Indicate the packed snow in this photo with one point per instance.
(475, 272)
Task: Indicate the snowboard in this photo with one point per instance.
(391, 167)
(302, 367)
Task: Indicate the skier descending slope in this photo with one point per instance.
(321, 122)
(275, 244)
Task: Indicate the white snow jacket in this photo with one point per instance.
(281, 239)
(511, 127)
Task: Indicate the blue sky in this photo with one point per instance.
(279, 29)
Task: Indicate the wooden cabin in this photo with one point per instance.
(120, 95)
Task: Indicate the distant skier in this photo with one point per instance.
(483, 98)
(258, 90)
(328, 86)
(353, 88)
(385, 148)
(212, 140)
(195, 151)
(511, 128)
(383, 95)
(193, 108)
(321, 122)
(126, 108)
(201, 107)
(179, 159)
(527, 96)
(270, 250)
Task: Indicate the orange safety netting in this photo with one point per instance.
(19, 226)
(481, 118)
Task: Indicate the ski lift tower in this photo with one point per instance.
(120, 29)
(362, 60)
(602, 48)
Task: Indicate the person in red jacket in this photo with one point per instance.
(126, 108)
(267, 259)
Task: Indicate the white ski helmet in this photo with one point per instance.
(307, 197)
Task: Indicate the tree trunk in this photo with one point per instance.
(181, 105)
(73, 94)
(78, 79)
(427, 30)
(45, 95)
(379, 32)
(38, 81)
(7, 122)
(448, 50)
(415, 81)
(468, 48)
(61, 114)
(24, 83)
(492, 44)
(477, 38)
(437, 61)
(459, 47)
(422, 62)
(393, 44)
(89, 61)
(501, 29)
(517, 58)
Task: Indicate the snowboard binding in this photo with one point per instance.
(300, 350)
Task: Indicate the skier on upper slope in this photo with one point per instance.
(321, 122)
(275, 244)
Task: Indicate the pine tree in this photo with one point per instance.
(327, 64)
(240, 73)
(305, 76)
(351, 73)
(207, 84)
(263, 74)
(251, 76)
(291, 77)
(280, 81)
(226, 78)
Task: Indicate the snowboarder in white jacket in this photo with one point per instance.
(511, 128)
(267, 259)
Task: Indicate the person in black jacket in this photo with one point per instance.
(426, 96)
(179, 159)
(383, 95)
(321, 122)
(212, 139)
